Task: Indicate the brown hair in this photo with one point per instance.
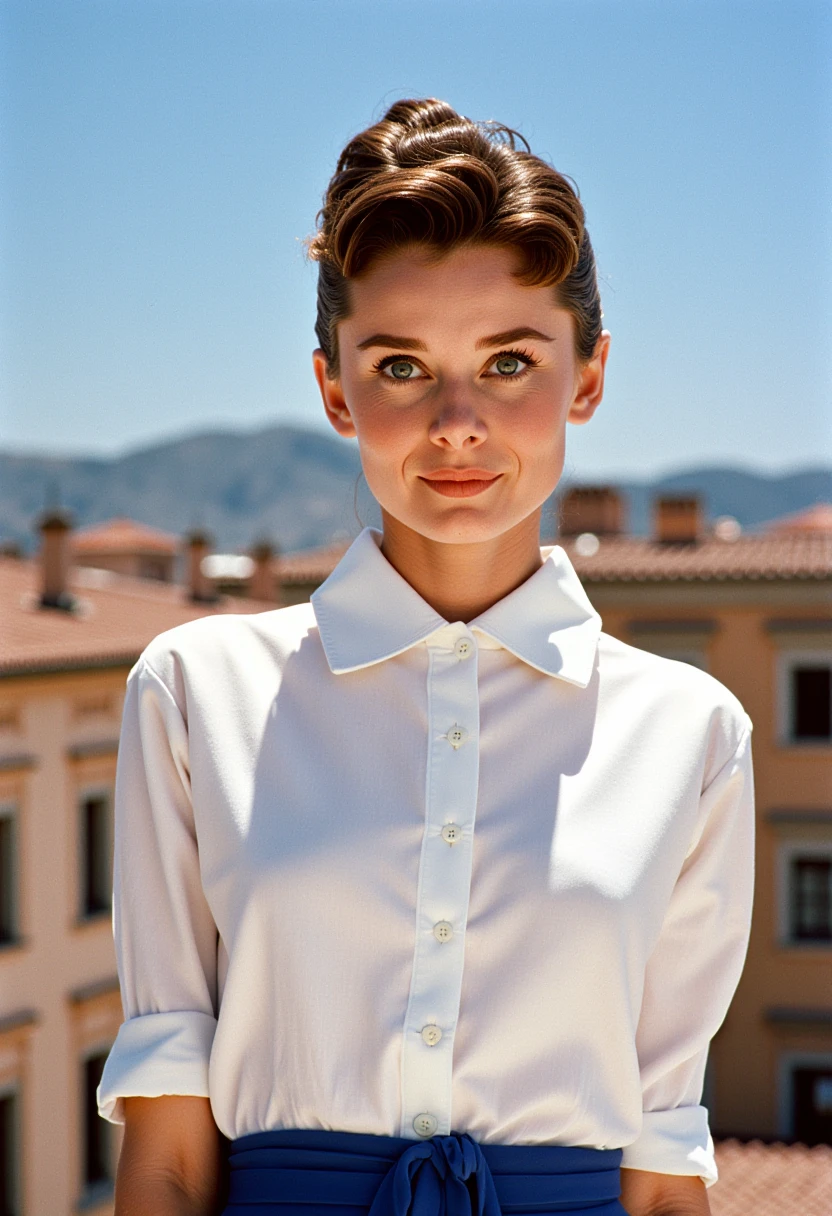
(427, 174)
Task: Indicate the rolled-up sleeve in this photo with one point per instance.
(166, 939)
(692, 974)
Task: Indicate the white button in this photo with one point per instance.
(431, 1035)
(451, 833)
(443, 931)
(456, 736)
(425, 1124)
(463, 648)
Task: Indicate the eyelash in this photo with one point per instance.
(523, 355)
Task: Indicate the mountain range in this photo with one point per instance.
(300, 487)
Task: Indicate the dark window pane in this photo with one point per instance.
(96, 1129)
(9, 1156)
(812, 700)
(811, 899)
(95, 831)
(812, 1112)
(8, 895)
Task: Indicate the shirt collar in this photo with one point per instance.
(366, 612)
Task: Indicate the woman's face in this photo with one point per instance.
(458, 381)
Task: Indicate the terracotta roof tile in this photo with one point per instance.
(123, 536)
(310, 565)
(815, 519)
(764, 556)
(117, 618)
(758, 1179)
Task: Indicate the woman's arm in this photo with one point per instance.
(171, 1161)
(646, 1194)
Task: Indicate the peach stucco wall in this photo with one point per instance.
(56, 983)
(58, 1001)
(745, 1075)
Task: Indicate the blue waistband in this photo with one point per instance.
(316, 1173)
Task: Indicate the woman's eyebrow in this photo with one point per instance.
(391, 340)
(512, 335)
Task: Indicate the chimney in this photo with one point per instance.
(55, 527)
(263, 582)
(677, 519)
(200, 588)
(597, 509)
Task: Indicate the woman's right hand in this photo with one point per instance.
(171, 1161)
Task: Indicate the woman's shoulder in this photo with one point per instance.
(688, 698)
(222, 639)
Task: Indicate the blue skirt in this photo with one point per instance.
(318, 1173)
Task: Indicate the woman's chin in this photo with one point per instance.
(458, 526)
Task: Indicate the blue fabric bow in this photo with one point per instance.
(436, 1178)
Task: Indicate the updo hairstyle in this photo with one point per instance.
(426, 174)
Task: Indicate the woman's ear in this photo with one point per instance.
(336, 408)
(590, 388)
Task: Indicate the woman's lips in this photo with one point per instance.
(460, 483)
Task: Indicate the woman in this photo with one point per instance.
(429, 893)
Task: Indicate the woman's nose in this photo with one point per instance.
(458, 424)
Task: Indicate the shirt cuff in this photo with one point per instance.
(674, 1142)
(158, 1053)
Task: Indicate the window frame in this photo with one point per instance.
(93, 1193)
(12, 1090)
(86, 793)
(787, 851)
(787, 1064)
(787, 660)
(10, 811)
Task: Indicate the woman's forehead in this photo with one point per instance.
(473, 290)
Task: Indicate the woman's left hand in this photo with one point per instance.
(646, 1194)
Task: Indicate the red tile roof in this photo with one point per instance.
(815, 519)
(310, 565)
(123, 536)
(762, 556)
(802, 554)
(118, 616)
(772, 1180)
(116, 619)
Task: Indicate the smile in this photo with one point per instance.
(460, 483)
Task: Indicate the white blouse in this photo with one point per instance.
(375, 872)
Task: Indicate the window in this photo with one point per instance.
(96, 871)
(811, 698)
(9, 1156)
(8, 874)
(806, 1097)
(806, 894)
(806, 698)
(810, 899)
(96, 1165)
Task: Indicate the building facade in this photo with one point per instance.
(755, 611)
(67, 641)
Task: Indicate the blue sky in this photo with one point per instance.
(165, 159)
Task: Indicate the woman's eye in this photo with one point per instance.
(402, 369)
(508, 365)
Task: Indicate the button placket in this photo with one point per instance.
(443, 888)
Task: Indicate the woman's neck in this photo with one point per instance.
(462, 581)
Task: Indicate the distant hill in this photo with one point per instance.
(302, 488)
